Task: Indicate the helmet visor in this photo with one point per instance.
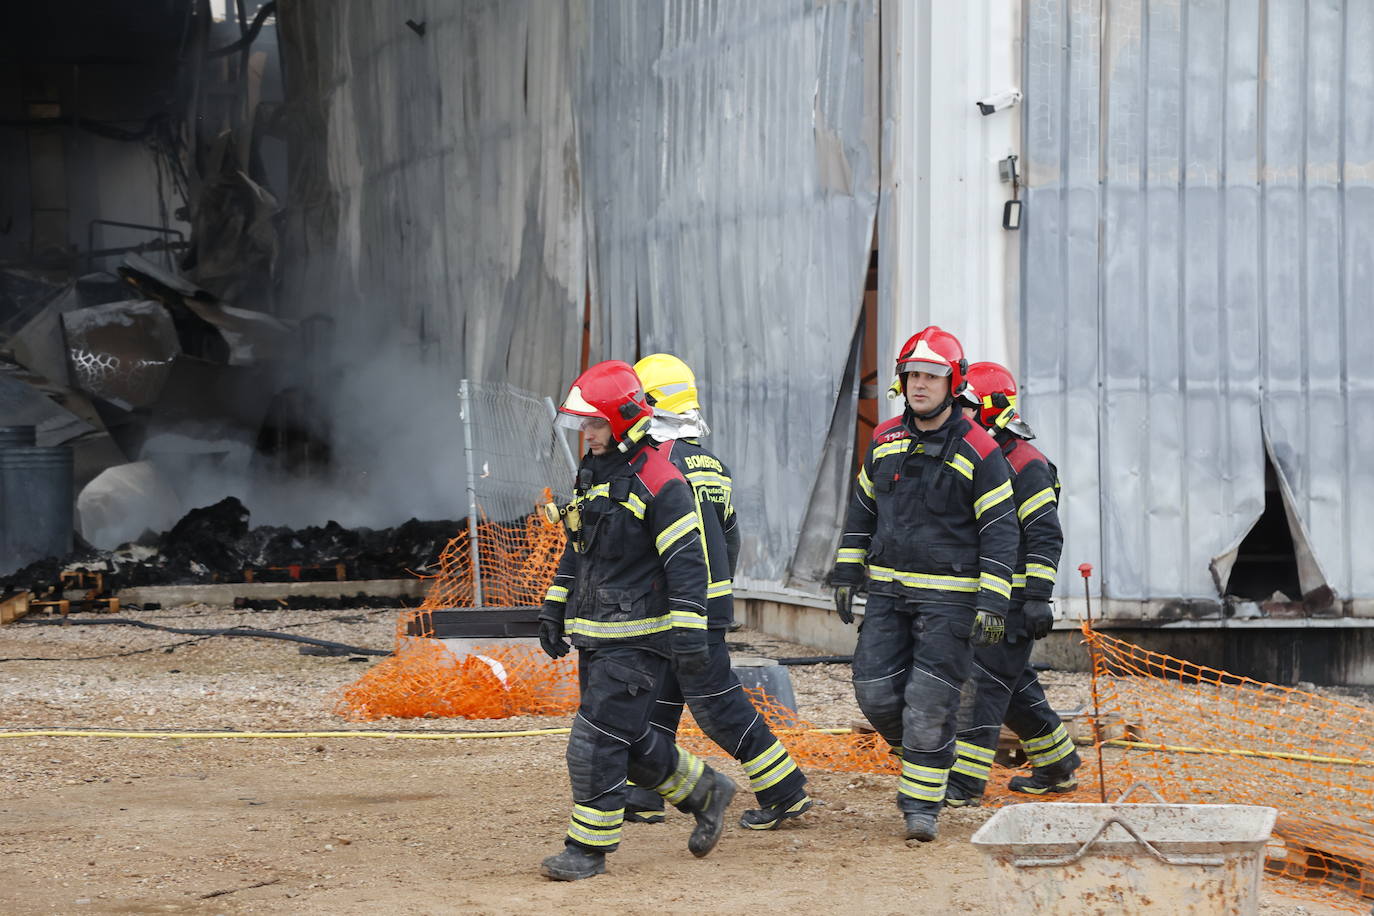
(920, 365)
(576, 422)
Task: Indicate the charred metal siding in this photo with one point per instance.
(1198, 281)
(706, 172)
(434, 182)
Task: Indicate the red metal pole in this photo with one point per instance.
(1086, 571)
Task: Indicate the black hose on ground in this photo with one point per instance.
(205, 631)
(817, 660)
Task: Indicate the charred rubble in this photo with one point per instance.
(217, 544)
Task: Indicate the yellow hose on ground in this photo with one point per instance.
(1238, 752)
(432, 736)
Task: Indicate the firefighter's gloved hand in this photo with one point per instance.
(690, 653)
(551, 637)
(988, 628)
(1039, 618)
(844, 603)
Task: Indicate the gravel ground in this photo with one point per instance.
(388, 825)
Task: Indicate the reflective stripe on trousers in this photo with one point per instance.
(909, 664)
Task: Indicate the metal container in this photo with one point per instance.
(1126, 858)
(16, 437)
(36, 501)
(767, 675)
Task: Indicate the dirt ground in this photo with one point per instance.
(391, 825)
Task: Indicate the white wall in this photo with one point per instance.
(943, 255)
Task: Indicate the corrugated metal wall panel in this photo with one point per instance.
(1357, 330)
(435, 192)
(1060, 272)
(730, 171)
(1230, 248)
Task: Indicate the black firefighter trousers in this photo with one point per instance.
(723, 711)
(611, 741)
(910, 662)
(1005, 688)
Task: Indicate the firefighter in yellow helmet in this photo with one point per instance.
(714, 693)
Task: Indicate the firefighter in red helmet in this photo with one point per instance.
(1005, 687)
(630, 591)
(932, 527)
(715, 695)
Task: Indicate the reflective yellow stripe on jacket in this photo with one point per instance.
(618, 629)
(670, 535)
(921, 580)
(997, 494)
(1042, 498)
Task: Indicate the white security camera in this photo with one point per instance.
(999, 100)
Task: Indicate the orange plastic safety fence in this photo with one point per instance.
(424, 679)
(811, 749)
(1197, 734)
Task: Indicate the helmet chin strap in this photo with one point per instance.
(949, 399)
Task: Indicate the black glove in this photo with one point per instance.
(846, 574)
(844, 603)
(988, 628)
(551, 637)
(690, 653)
(1039, 618)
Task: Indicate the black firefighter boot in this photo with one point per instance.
(573, 864)
(922, 825)
(707, 803)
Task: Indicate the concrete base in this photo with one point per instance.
(1325, 651)
(224, 593)
(1325, 655)
(797, 616)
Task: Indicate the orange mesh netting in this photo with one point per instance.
(424, 679)
(1197, 734)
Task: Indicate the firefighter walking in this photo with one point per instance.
(1004, 686)
(630, 591)
(714, 694)
(932, 523)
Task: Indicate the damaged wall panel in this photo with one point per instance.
(729, 155)
(1198, 220)
(434, 188)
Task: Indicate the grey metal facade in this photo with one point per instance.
(1198, 282)
(729, 162)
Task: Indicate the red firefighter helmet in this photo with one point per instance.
(936, 351)
(992, 391)
(609, 391)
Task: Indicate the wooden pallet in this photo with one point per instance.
(12, 607)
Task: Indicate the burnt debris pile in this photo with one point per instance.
(217, 544)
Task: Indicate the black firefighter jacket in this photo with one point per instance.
(635, 570)
(932, 516)
(1035, 488)
(711, 483)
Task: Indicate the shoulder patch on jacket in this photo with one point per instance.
(889, 430)
(978, 437)
(1021, 454)
(655, 470)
